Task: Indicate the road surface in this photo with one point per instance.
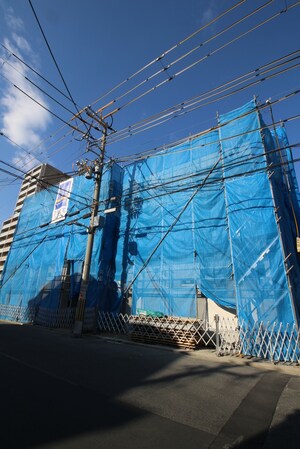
(58, 392)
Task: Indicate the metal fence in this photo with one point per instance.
(62, 318)
(181, 332)
(56, 318)
(275, 342)
(17, 313)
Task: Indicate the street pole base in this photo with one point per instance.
(77, 329)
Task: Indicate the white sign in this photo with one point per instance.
(62, 200)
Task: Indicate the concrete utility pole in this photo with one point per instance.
(98, 171)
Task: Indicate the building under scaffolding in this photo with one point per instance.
(215, 216)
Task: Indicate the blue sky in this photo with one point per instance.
(98, 44)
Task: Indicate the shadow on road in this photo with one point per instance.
(60, 392)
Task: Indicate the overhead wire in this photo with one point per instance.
(55, 62)
(171, 227)
(37, 86)
(178, 189)
(185, 106)
(70, 98)
(180, 72)
(171, 64)
(11, 53)
(215, 181)
(17, 145)
(151, 153)
(42, 105)
(69, 124)
(49, 186)
(166, 52)
(183, 41)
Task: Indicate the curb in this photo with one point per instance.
(210, 354)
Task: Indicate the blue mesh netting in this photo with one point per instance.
(33, 272)
(203, 217)
(227, 242)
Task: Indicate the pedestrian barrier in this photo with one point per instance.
(55, 318)
(175, 331)
(17, 313)
(276, 342)
(58, 318)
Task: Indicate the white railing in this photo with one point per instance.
(17, 313)
(54, 318)
(276, 342)
(176, 331)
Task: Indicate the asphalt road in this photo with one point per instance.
(63, 393)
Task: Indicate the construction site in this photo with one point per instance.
(193, 242)
(201, 229)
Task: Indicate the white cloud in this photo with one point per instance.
(209, 13)
(14, 23)
(25, 161)
(21, 43)
(22, 119)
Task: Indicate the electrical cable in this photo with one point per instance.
(203, 173)
(182, 108)
(34, 71)
(81, 131)
(49, 186)
(166, 68)
(180, 72)
(38, 87)
(149, 153)
(229, 166)
(23, 261)
(171, 227)
(17, 145)
(55, 62)
(42, 106)
(166, 52)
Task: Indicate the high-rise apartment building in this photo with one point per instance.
(40, 177)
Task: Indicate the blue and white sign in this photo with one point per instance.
(62, 200)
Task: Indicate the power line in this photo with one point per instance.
(42, 105)
(49, 186)
(52, 55)
(170, 65)
(37, 86)
(17, 145)
(152, 153)
(34, 71)
(233, 164)
(180, 72)
(186, 187)
(193, 103)
(166, 52)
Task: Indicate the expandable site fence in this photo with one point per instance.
(275, 342)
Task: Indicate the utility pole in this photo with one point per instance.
(98, 172)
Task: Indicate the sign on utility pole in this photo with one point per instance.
(98, 172)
